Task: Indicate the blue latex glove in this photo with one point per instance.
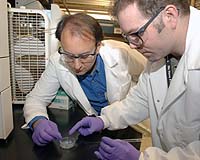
(45, 131)
(117, 149)
(87, 126)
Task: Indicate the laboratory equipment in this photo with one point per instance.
(31, 42)
(6, 115)
(67, 142)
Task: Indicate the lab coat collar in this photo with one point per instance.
(192, 41)
(177, 85)
(189, 61)
(111, 63)
(75, 90)
(109, 60)
(166, 96)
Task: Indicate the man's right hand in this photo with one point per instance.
(87, 126)
(45, 131)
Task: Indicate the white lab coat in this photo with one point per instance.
(122, 68)
(175, 112)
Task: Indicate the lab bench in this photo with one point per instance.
(19, 145)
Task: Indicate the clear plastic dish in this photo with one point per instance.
(67, 142)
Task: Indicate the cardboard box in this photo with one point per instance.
(61, 101)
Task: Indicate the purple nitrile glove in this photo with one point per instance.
(45, 131)
(87, 126)
(117, 149)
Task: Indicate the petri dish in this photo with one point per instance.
(67, 142)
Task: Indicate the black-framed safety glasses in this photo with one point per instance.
(84, 57)
(135, 37)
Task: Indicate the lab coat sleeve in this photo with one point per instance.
(129, 111)
(191, 152)
(44, 91)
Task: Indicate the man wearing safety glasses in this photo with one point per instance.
(167, 33)
(94, 73)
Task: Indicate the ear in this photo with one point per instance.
(98, 47)
(170, 16)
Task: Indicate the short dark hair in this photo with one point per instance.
(149, 7)
(82, 24)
